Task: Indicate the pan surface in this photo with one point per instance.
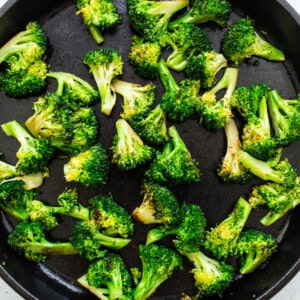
(69, 39)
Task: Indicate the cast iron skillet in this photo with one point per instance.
(69, 40)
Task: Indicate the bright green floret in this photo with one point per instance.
(105, 64)
(159, 205)
(188, 231)
(174, 165)
(179, 101)
(99, 16)
(90, 167)
(203, 11)
(204, 67)
(28, 239)
(34, 154)
(185, 41)
(137, 98)
(214, 112)
(158, 265)
(129, 150)
(222, 239)
(254, 248)
(285, 116)
(241, 41)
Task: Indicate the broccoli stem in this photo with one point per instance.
(114, 243)
(20, 214)
(78, 212)
(166, 77)
(98, 292)
(96, 34)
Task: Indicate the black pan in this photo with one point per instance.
(69, 40)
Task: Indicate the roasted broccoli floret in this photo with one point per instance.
(202, 11)
(179, 101)
(105, 64)
(129, 151)
(285, 116)
(144, 57)
(108, 278)
(215, 113)
(188, 231)
(90, 167)
(253, 248)
(78, 92)
(211, 276)
(241, 41)
(204, 67)
(29, 240)
(149, 19)
(22, 57)
(174, 165)
(137, 98)
(34, 154)
(159, 205)
(185, 41)
(221, 239)
(99, 16)
(158, 265)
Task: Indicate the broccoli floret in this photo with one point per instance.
(144, 57)
(7, 171)
(137, 98)
(215, 113)
(108, 278)
(129, 151)
(90, 167)
(257, 138)
(221, 239)
(22, 57)
(91, 243)
(211, 276)
(204, 67)
(188, 233)
(174, 165)
(202, 11)
(179, 101)
(105, 64)
(241, 41)
(253, 248)
(34, 154)
(98, 15)
(78, 92)
(185, 41)
(29, 240)
(285, 116)
(152, 127)
(158, 265)
(159, 205)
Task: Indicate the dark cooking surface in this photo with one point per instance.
(69, 40)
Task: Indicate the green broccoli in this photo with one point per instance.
(185, 41)
(108, 278)
(149, 19)
(144, 57)
(215, 113)
(137, 98)
(158, 265)
(78, 92)
(285, 116)
(159, 205)
(90, 167)
(34, 154)
(129, 151)
(174, 165)
(204, 67)
(241, 41)
(253, 248)
(179, 101)
(29, 240)
(202, 11)
(99, 16)
(222, 239)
